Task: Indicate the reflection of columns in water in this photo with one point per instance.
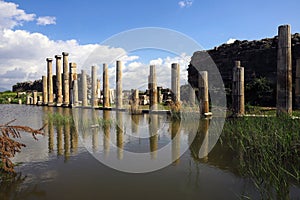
(153, 128)
(84, 123)
(59, 134)
(106, 131)
(74, 133)
(203, 152)
(120, 134)
(50, 132)
(67, 135)
(175, 136)
(95, 131)
(135, 119)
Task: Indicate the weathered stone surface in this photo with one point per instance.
(119, 90)
(284, 71)
(106, 102)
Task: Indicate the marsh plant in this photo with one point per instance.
(269, 152)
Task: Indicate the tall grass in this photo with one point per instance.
(269, 151)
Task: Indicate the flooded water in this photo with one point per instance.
(88, 162)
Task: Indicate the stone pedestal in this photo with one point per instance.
(50, 81)
(94, 101)
(284, 71)
(45, 90)
(119, 90)
(203, 92)
(66, 96)
(84, 88)
(106, 102)
(297, 84)
(59, 99)
(238, 96)
(175, 83)
(153, 88)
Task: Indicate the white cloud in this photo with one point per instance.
(11, 16)
(230, 41)
(47, 20)
(185, 3)
(24, 54)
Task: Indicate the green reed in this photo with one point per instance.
(269, 151)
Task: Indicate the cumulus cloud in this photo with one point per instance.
(230, 41)
(11, 16)
(23, 54)
(185, 3)
(47, 20)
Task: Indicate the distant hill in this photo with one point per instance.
(258, 57)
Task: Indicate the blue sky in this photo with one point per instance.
(51, 26)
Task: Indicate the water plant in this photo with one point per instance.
(268, 150)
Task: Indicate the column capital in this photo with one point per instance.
(72, 65)
(58, 56)
(49, 59)
(65, 53)
(237, 63)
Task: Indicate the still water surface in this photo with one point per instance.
(60, 166)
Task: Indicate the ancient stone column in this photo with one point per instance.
(238, 96)
(72, 77)
(75, 93)
(135, 102)
(66, 96)
(153, 88)
(284, 71)
(35, 97)
(203, 92)
(94, 87)
(119, 93)
(297, 83)
(192, 95)
(106, 102)
(28, 100)
(50, 81)
(84, 88)
(159, 95)
(45, 90)
(98, 89)
(175, 82)
(59, 96)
